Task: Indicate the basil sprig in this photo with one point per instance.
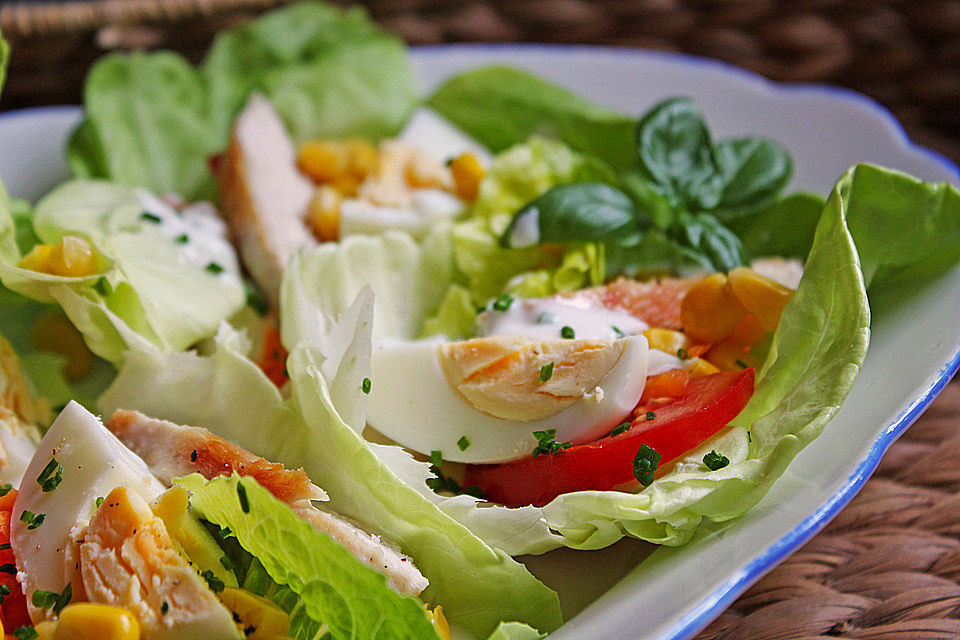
(672, 209)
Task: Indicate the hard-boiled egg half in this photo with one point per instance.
(481, 400)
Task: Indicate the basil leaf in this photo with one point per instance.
(703, 233)
(649, 198)
(785, 228)
(674, 147)
(754, 171)
(586, 211)
(655, 255)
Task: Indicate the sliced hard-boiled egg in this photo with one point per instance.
(127, 559)
(481, 400)
(89, 462)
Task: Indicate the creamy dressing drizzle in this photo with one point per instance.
(543, 319)
(205, 232)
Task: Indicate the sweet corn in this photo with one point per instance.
(53, 332)
(730, 356)
(467, 173)
(45, 630)
(361, 157)
(749, 332)
(323, 160)
(89, 621)
(440, 622)
(666, 340)
(761, 296)
(323, 213)
(700, 367)
(261, 617)
(710, 312)
(72, 257)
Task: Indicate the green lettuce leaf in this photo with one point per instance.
(334, 587)
(4, 59)
(501, 106)
(153, 119)
(147, 283)
(145, 124)
(330, 72)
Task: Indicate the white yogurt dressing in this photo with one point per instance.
(427, 207)
(544, 318)
(199, 234)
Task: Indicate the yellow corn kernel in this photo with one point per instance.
(323, 214)
(440, 622)
(700, 367)
(45, 630)
(362, 158)
(347, 186)
(323, 160)
(72, 257)
(710, 312)
(265, 619)
(38, 258)
(761, 296)
(53, 332)
(89, 621)
(730, 356)
(666, 340)
(467, 173)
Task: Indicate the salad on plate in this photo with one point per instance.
(355, 348)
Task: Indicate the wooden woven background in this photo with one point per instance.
(905, 53)
(888, 567)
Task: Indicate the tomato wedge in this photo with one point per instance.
(678, 425)
(13, 612)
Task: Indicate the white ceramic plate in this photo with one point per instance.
(915, 348)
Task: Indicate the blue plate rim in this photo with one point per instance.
(726, 594)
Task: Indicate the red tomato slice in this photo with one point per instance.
(709, 404)
(13, 612)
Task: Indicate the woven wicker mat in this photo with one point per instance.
(887, 567)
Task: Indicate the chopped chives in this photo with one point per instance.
(715, 461)
(621, 428)
(242, 497)
(463, 443)
(645, 464)
(182, 239)
(214, 268)
(650, 415)
(546, 372)
(150, 217)
(503, 302)
(567, 332)
(366, 385)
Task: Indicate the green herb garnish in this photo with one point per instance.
(621, 428)
(645, 463)
(31, 519)
(463, 443)
(4, 592)
(5, 489)
(102, 286)
(8, 567)
(51, 476)
(715, 461)
(25, 632)
(546, 372)
(164, 607)
(214, 268)
(650, 415)
(741, 364)
(150, 217)
(546, 445)
(366, 385)
(99, 501)
(216, 584)
(682, 354)
(51, 599)
(182, 239)
(503, 302)
(617, 332)
(567, 332)
(255, 299)
(242, 498)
